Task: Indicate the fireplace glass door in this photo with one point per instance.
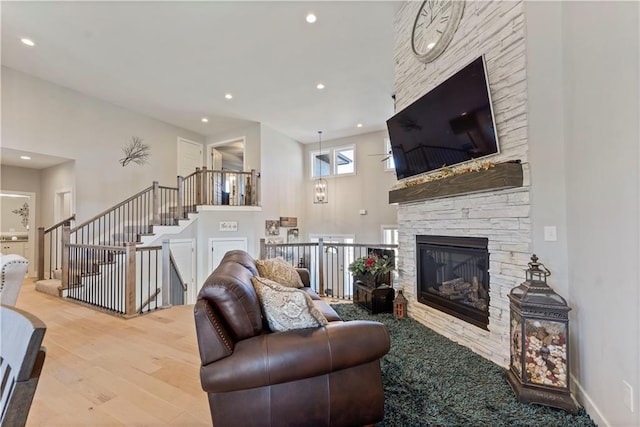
(453, 276)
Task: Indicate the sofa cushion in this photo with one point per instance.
(280, 271)
(286, 308)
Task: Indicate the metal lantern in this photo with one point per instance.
(400, 305)
(320, 188)
(539, 368)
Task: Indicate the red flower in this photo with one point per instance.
(370, 262)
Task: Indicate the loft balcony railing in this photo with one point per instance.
(327, 262)
(219, 188)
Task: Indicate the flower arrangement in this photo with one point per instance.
(372, 264)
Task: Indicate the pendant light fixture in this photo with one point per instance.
(320, 184)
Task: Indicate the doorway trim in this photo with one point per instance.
(225, 142)
(213, 240)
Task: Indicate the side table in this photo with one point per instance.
(374, 300)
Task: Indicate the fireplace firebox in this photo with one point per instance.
(453, 276)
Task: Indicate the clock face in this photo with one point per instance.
(434, 27)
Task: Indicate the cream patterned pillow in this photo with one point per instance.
(286, 308)
(280, 271)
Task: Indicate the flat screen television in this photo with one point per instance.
(451, 124)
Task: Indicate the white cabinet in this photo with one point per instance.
(18, 248)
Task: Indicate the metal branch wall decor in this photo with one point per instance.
(136, 152)
(24, 213)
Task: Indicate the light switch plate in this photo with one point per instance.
(550, 233)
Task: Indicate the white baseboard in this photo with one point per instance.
(588, 404)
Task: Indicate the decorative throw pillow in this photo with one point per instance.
(280, 271)
(286, 308)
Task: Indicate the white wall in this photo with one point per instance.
(583, 73)
(42, 117)
(368, 189)
(282, 178)
(601, 77)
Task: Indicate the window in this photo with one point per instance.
(334, 161)
(389, 164)
(345, 160)
(320, 164)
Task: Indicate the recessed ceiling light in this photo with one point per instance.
(311, 18)
(25, 157)
(27, 41)
(359, 125)
(204, 120)
(228, 96)
(431, 45)
(320, 86)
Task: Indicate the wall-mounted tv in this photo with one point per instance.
(451, 124)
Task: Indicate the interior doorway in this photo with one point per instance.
(63, 205)
(227, 155)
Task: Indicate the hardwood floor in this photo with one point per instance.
(103, 370)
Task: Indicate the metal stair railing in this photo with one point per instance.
(99, 256)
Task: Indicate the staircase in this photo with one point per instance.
(110, 261)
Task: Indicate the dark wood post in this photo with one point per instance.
(180, 205)
(130, 279)
(254, 188)
(198, 179)
(156, 203)
(40, 249)
(263, 248)
(204, 196)
(64, 246)
(320, 267)
(166, 273)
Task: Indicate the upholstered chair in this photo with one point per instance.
(21, 360)
(13, 269)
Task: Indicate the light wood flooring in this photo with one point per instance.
(103, 370)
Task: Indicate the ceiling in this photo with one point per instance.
(175, 61)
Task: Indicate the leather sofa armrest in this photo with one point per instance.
(214, 342)
(294, 355)
(304, 276)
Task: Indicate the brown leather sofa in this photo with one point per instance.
(324, 376)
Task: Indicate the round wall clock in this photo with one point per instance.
(434, 27)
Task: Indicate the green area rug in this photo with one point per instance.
(431, 381)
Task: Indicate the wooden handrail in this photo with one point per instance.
(111, 209)
(151, 298)
(177, 270)
(61, 223)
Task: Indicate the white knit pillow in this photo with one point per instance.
(286, 308)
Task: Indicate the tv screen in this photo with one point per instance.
(451, 124)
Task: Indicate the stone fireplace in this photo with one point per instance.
(489, 210)
(453, 276)
(501, 219)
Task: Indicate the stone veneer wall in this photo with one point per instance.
(495, 29)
